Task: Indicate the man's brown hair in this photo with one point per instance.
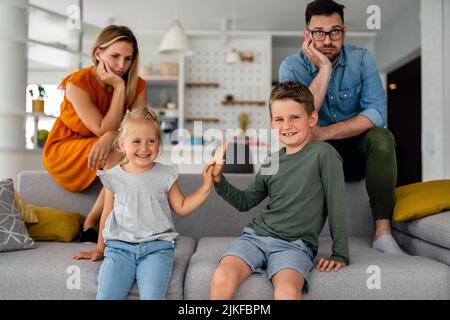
(323, 8)
(292, 90)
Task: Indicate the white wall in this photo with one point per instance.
(446, 105)
(46, 77)
(435, 81)
(398, 41)
(14, 161)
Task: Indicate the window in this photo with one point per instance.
(53, 100)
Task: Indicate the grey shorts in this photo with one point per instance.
(272, 254)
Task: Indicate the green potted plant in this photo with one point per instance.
(37, 104)
(42, 135)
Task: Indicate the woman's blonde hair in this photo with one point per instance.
(140, 113)
(107, 37)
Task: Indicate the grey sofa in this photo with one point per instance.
(47, 272)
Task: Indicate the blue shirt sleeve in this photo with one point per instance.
(293, 69)
(373, 98)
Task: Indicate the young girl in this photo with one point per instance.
(137, 236)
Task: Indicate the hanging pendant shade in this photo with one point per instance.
(175, 41)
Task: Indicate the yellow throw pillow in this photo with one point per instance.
(421, 199)
(27, 213)
(55, 224)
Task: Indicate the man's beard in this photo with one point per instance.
(333, 57)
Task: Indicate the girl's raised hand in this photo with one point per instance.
(207, 176)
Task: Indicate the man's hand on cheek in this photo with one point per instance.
(316, 57)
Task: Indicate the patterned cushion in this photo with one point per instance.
(13, 233)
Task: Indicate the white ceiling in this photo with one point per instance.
(263, 15)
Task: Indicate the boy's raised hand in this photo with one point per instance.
(327, 265)
(218, 161)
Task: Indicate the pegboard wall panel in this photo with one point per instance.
(244, 81)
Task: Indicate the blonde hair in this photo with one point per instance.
(140, 113)
(107, 37)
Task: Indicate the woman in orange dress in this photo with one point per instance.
(95, 101)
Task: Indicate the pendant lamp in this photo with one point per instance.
(175, 41)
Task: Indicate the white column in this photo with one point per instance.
(434, 59)
(13, 75)
(13, 82)
(446, 106)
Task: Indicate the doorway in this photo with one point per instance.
(404, 119)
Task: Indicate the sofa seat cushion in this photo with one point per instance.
(419, 247)
(400, 277)
(48, 272)
(434, 229)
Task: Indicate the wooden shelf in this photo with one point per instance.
(202, 84)
(243, 102)
(40, 115)
(202, 119)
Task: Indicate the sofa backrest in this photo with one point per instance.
(214, 218)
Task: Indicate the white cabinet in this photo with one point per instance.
(162, 92)
(163, 96)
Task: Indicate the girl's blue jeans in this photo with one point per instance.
(149, 263)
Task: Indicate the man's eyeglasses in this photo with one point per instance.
(320, 35)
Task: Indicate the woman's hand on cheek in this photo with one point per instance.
(107, 75)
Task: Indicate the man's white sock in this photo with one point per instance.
(386, 243)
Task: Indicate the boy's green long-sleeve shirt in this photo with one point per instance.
(308, 187)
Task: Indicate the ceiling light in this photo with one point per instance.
(175, 41)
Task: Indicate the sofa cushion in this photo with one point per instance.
(434, 229)
(48, 272)
(421, 199)
(25, 209)
(55, 224)
(420, 247)
(401, 277)
(13, 233)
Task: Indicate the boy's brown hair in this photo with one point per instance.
(292, 90)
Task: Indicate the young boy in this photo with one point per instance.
(308, 187)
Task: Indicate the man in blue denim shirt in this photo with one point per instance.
(350, 99)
